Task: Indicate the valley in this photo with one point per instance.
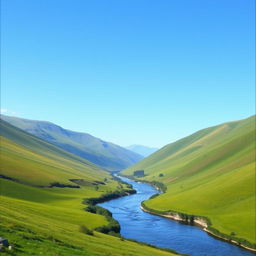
(139, 224)
(210, 173)
(43, 220)
(127, 128)
(49, 195)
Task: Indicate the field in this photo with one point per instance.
(210, 173)
(41, 208)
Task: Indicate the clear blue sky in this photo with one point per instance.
(132, 71)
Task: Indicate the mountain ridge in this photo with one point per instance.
(43, 190)
(105, 154)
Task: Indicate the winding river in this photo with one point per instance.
(162, 232)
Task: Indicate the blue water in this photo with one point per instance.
(162, 232)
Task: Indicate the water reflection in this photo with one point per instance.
(162, 232)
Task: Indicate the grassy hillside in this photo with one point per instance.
(29, 159)
(105, 154)
(210, 173)
(39, 219)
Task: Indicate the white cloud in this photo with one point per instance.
(7, 111)
(3, 110)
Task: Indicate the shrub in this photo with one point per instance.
(139, 173)
(159, 185)
(85, 230)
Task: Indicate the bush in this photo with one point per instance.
(139, 173)
(85, 230)
(108, 196)
(154, 196)
(159, 185)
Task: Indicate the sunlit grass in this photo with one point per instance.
(48, 221)
(210, 173)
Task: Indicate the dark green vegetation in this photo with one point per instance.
(108, 196)
(139, 173)
(42, 192)
(105, 154)
(210, 173)
(113, 227)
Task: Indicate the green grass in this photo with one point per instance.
(40, 220)
(105, 154)
(38, 228)
(210, 173)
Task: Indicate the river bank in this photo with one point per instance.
(113, 226)
(144, 227)
(201, 222)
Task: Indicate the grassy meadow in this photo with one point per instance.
(210, 173)
(41, 220)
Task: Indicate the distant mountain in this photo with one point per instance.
(31, 160)
(46, 187)
(105, 154)
(142, 150)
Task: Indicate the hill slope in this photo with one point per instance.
(105, 154)
(210, 173)
(34, 161)
(40, 219)
(142, 150)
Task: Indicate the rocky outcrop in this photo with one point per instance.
(181, 217)
(202, 222)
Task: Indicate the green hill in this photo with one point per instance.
(210, 173)
(42, 188)
(105, 154)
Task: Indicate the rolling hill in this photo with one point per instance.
(42, 188)
(142, 150)
(210, 173)
(105, 154)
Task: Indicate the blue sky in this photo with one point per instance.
(131, 72)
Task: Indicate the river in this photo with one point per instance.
(162, 232)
